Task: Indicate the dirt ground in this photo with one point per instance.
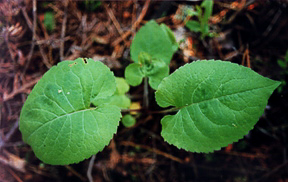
(249, 32)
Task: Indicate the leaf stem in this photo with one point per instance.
(146, 93)
(173, 109)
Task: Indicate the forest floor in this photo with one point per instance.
(35, 35)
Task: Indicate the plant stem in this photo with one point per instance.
(146, 93)
(174, 109)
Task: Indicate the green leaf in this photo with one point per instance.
(193, 25)
(154, 69)
(153, 40)
(49, 21)
(208, 6)
(171, 36)
(282, 63)
(133, 74)
(218, 102)
(57, 119)
(122, 86)
(158, 73)
(128, 120)
(119, 98)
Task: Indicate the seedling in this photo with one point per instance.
(70, 113)
(202, 25)
(151, 51)
(49, 21)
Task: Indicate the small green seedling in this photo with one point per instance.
(67, 118)
(154, 69)
(151, 51)
(202, 25)
(74, 110)
(49, 21)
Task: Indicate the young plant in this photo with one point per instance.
(151, 51)
(68, 115)
(202, 25)
(49, 21)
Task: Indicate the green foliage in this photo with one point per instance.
(154, 69)
(151, 50)
(128, 120)
(202, 25)
(283, 63)
(119, 98)
(92, 5)
(156, 41)
(65, 118)
(218, 102)
(49, 21)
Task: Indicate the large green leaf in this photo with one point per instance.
(58, 120)
(219, 102)
(155, 41)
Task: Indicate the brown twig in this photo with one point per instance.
(9, 134)
(90, 167)
(20, 90)
(247, 57)
(114, 20)
(33, 37)
(75, 173)
(18, 179)
(137, 22)
(127, 143)
(30, 25)
(63, 30)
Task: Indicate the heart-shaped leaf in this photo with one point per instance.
(57, 119)
(218, 102)
(155, 41)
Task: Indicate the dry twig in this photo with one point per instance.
(20, 90)
(138, 21)
(63, 31)
(127, 143)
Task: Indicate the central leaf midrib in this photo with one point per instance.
(66, 114)
(214, 98)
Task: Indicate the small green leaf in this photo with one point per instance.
(128, 120)
(49, 21)
(158, 73)
(219, 102)
(154, 69)
(119, 98)
(208, 6)
(57, 119)
(193, 25)
(282, 63)
(171, 36)
(133, 74)
(122, 86)
(153, 40)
